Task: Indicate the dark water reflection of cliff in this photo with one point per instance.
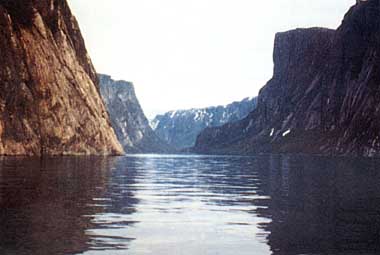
(321, 205)
(190, 205)
(46, 207)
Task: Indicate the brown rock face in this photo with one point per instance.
(49, 96)
(323, 97)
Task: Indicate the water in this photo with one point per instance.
(190, 205)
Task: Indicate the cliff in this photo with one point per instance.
(49, 96)
(323, 97)
(131, 126)
(181, 128)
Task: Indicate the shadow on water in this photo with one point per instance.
(271, 204)
(48, 207)
(321, 205)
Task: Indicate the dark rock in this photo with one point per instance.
(323, 97)
(131, 126)
(181, 128)
(49, 96)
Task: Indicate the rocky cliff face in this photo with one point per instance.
(49, 99)
(181, 128)
(323, 97)
(131, 126)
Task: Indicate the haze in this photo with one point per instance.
(185, 54)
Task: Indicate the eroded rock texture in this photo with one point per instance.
(324, 96)
(128, 119)
(49, 99)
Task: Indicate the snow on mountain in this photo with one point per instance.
(180, 128)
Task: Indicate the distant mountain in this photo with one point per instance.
(324, 96)
(131, 126)
(181, 128)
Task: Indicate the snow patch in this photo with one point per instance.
(173, 114)
(154, 124)
(250, 124)
(287, 132)
(271, 132)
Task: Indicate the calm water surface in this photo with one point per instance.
(190, 205)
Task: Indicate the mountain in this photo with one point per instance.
(49, 96)
(131, 126)
(181, 128)
(324, 97)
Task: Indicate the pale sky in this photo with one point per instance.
(194, 53)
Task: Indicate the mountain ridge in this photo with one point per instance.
(322, 97)
(180, 128)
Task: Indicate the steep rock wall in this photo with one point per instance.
(49, 96)
(323, 97)
(128, 119)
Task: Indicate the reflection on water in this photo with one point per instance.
(322, 205)
(44, 204)
(190, 205)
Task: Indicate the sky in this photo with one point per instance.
(183, 54)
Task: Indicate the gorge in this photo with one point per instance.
(322, 98)
(66, 186)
